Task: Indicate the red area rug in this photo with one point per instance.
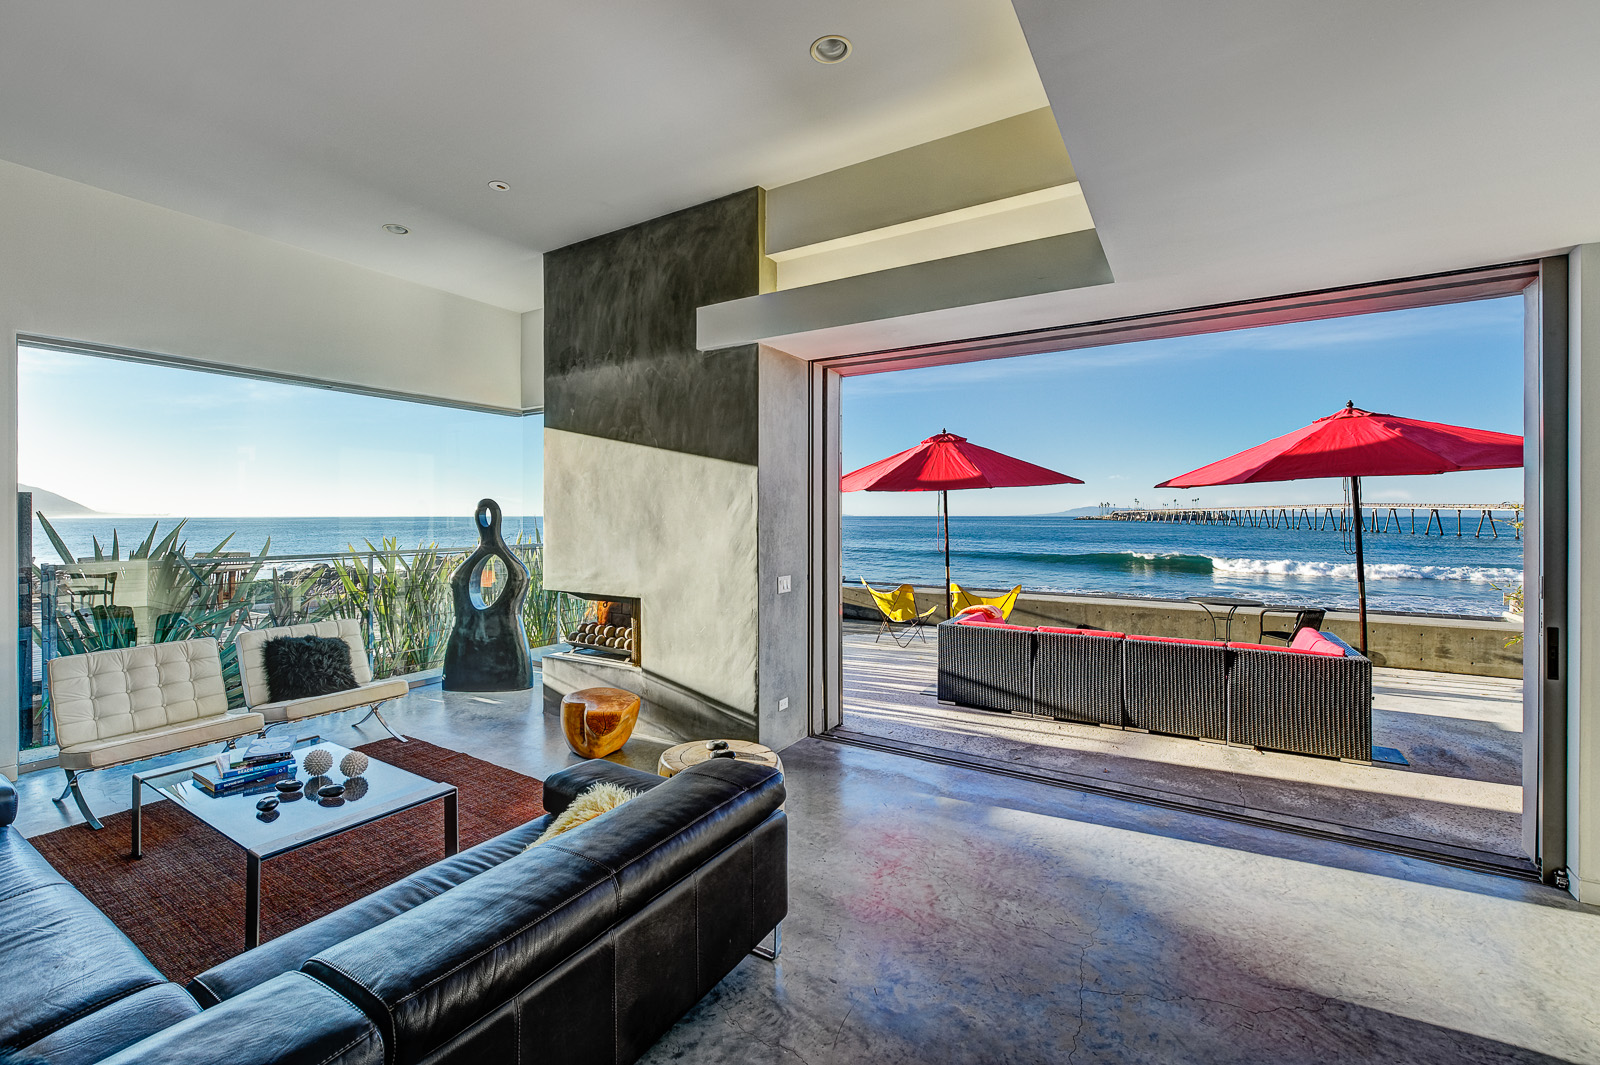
(183, 902)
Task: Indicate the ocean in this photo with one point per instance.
(289, 536)
(1412, 574)
(1436, 575)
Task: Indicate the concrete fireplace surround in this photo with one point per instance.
(657, 461)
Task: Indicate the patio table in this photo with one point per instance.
(1223, 603)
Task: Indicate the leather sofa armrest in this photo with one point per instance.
(289, 1020)
(8, 802)
(561, 788)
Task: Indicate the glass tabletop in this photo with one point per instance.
(382, 790)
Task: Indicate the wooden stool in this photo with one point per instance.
(597, 721)
(684, 755)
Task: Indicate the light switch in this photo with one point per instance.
(783, 704)
(784, 584)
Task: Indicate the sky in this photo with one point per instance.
(128, 438)
(1128, 416)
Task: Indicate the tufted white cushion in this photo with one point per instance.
(252, 654)
(105, 694)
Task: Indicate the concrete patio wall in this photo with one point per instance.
(1398, 641)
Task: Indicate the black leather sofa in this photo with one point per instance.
(584, 949)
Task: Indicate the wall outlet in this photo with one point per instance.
(783, 704)
(784, 584)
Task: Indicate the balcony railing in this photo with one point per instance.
(401, 595)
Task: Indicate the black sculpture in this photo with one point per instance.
(488, 648)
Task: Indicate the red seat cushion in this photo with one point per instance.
(989, 623)
(1082, 632)
(981, 610)
(1313, 642)
(1175, 639)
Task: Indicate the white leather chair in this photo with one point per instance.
(132, 703)
(251, 646)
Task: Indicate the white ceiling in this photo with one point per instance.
(315, 123)
(1235, 149)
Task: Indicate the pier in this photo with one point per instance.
(1375, 517)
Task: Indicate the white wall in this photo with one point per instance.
(81, 264)
(1583, 653)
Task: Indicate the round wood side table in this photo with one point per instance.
(684, 755)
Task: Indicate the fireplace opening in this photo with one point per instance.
(606, 625)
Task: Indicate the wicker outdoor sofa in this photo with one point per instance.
(1314, 697)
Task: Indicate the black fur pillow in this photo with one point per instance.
(302, 666)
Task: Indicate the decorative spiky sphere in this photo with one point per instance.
(353, 764)
(316, 761)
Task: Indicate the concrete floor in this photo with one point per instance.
(946, 915)
(1461, 735)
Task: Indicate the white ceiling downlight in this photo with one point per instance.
(397, 229)
(830, 49)
(499, 186)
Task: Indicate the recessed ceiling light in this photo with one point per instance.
(397, 230)
(830, 49)
(499, 186)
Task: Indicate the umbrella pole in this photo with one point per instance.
(1361, 562)
(944, 502)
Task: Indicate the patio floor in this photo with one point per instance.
(1461, 735)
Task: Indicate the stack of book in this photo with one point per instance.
(260, 765)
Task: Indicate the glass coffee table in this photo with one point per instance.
(298, 820)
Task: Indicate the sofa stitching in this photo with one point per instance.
(496, 945)
(350, 1045)
(35, 887)
(94, 1007)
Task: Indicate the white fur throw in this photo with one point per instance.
(590, 804)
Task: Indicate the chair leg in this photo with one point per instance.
(83, 804)
(777, 945)
(372, 711)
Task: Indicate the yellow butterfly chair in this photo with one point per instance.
(1002, 603)
(899, 607)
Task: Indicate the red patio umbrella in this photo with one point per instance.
(944, 462)
(1357, 443)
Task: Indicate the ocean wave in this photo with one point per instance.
(1124, 561)
(1378, 571)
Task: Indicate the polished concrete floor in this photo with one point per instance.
(946, 915)
(1461, 737)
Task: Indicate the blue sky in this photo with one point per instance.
(127, 438)
(1125, 417)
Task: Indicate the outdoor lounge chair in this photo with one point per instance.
(898, 607)
(963, 599)
(127, 704)
(370, 693)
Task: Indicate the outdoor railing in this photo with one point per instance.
(401, 595)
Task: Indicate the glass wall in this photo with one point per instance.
(165, 503)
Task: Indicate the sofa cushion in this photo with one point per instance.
(106, 694)
(64, 957)
(252, 643)
(8, 802)
(981, 610)
(561, 788)
(990, 623)
(1175, 639)
(131, 747)
(290, 951)
(1314, 642)
(1083, 632)
(292, 1020)
(296, 709)
(117, 1026)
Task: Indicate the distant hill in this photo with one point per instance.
(55, 506)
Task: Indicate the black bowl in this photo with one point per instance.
(331, 791)
(288, 786)
(269, 803)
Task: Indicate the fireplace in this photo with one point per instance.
(605, 625)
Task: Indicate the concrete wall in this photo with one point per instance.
(1583, 576)
(84, 265)
(784, 545)
(1446, 645)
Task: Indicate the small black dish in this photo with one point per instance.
(269, 803)
(331, 791)
(287, 786)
